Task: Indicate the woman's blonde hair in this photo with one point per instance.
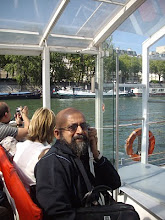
(42, 126)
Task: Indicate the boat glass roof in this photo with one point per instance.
(74, 24)
(147, 19)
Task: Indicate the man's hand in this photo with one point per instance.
(18, 119)
(21, 115)
(92, 135)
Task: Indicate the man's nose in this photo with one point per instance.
(79, 129)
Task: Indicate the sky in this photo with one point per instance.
(125, 40)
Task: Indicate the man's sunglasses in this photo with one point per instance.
(72, 128)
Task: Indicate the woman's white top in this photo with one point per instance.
(26, 156)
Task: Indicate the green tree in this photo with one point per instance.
(153, 66)
(129, 66)
(109, 68)
(26, 69)
(109, 61)
(3, 61)
(81, 65)
(59, 67)
(136, 66)
(157, 67)
(35, 70)
(125, 67)
(161, 68)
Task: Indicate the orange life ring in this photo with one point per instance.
(130, 140)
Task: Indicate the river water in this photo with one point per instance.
(130, 109)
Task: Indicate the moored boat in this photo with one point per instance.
(77, 92)
(20, 95)
(154, 91)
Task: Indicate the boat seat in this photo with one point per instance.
(23, 206)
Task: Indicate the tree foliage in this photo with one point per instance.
(109, 61)
(158, 67)
(129, 66)
(70, 67)
(26, 69)
(59, 69)
(125, 67)
(76, 67)
(81, 65)
(3, 61)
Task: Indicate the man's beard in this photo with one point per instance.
(78, 148)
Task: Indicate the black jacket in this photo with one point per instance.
(60, 187)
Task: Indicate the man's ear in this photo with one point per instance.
(6, 114)
(57, 134)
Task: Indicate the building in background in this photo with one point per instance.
(160, 50)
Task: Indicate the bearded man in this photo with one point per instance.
(60, 186)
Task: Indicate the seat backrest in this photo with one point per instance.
(26, 208)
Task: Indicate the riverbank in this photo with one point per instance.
(11, 86)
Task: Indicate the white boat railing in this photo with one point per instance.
(127, 161)
(129, 85)
(156, 101)
(155, 158)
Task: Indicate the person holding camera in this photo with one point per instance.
(21, 118)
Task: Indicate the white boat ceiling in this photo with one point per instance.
(73, 25)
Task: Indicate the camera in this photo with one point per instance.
(18, 109)
(18, 112)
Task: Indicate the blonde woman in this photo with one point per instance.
(28, 153)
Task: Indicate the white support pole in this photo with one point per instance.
(46, 77)
(145, 109)
(145, 97)
(117, 119)
(117, 110)
(99, 99)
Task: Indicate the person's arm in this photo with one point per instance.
(105, 172)
(54, 188)
(22, 131)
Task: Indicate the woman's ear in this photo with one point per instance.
(57, 134)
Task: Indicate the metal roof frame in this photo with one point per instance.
(126, 10)
(118, 19)
(53, 21)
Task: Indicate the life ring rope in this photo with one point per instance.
(129, 144)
